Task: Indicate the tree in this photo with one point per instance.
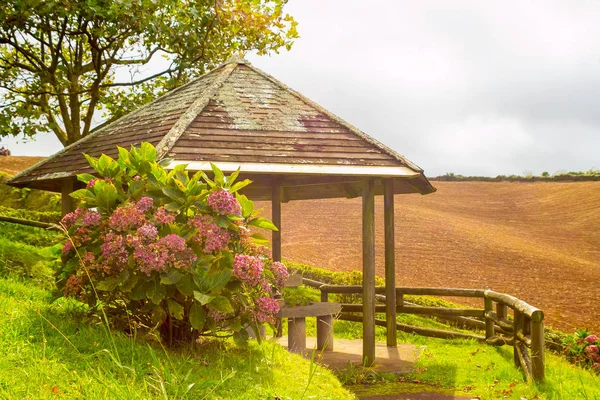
(62, 61)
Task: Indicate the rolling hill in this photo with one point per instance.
(537, 241)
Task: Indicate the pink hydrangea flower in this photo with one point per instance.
(73, 286)
(125, 218)
(92, 183)
(248, 269)
(91, 218)
(596, 367)
(170, 251)
(69, 219)
(591, 349)
(591, 339)
(224, 203)
(114, 250)
(144, 204)
(212, 237)
(281, 273)
(67, 247)
(147, 232)
(267, 308)
(162, 216)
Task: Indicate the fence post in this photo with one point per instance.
(489, 323)
(517, 327)
(537, 348)
(501, 310)
(324, 296)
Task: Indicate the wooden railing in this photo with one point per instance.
(525, 331)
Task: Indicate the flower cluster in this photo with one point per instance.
(248, 269)
(584, 349)
(170, 251)
(267, 308)
(162, 216)
(224, 203)
(281, 273)
(211, 237)
(126, 217)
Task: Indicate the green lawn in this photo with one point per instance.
(51, 350)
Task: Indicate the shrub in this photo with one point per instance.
(162, 249)
(583, 349)
(41, 216)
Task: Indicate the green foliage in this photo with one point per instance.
(23, 253)
(59, 58)
(31, 215)
(49, 351)
(32, 199)
(300, 296)
(168, 250)
(582, 349)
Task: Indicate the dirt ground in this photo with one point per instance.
(537, 241)
(13, 164)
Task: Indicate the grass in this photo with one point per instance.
(52, 350)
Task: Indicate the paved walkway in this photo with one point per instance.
(398, 359)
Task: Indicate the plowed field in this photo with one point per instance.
(13, 164)
(537, 241)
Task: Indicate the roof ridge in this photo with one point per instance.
(105, 127)
(337, 119)
(179, 127)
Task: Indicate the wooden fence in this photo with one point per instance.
(525, 332)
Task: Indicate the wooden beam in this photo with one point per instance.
(390, 261)
(276, 218)
(368, 239)
(66, 200)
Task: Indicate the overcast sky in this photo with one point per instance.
(473, 87)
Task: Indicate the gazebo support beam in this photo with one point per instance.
(390, 261)
(368, 239)
(276, 218)
(66, 200)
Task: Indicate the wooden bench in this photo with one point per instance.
(296, 316)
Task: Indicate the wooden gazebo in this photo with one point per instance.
(237, 116)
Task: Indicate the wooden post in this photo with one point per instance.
(325, 333)
(517, 327)
(501, 310)
(537, 350)
(276, 218)
(390, 261)
(489, 323)
(368, 239)
(297, 334)
(66, 200)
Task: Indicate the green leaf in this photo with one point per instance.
(197, 316)
(241, 337)
(175, 309)
(219, 177)
(174, 194)
(106, 195)
(221, 304)
(155, 291)
(208, 283)
(240, 185)
(259, 239)
(263, 223)
(185, 286)
(172, 207)
(170, 277)
(247, 205)
(203, 298)
(138, 292)
(85, 178)
(83, 194)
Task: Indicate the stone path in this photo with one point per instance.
(398, 359)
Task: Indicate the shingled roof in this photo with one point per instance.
(239, 116)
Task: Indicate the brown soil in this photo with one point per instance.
(537, 241)
(13, 164)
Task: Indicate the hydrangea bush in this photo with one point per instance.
(583, 348)
(162, 249)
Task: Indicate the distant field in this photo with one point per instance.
(537, 241)
(13, 164)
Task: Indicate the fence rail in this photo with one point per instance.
(525, 332)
